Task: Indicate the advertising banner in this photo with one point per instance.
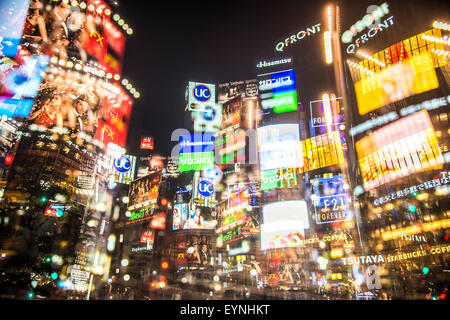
(12, 19)
(193, 250)
(147, 143)
(193, 217)
(144, 191)
(209, 120)
(277, 91)
(403, 147)
(229, 90)
(279, 147)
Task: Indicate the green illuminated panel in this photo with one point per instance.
(195, 161)
(268, 180)
(285, 102)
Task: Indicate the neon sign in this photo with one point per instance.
(419, 187)
(298, 36)
(370, 34)
(365, 22)
(278, 91)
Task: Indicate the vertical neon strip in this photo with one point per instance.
(327, 110)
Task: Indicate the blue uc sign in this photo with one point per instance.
(201, 92)
(206, 188)
(123, 164)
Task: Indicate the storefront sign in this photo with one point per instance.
(386, 258)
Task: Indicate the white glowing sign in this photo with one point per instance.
(413, 189)
(367, 21)
(298, 36)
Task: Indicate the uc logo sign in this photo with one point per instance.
(201, 92)
(206, 188)
(123, 164)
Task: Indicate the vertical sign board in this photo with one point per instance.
(196, 152)
(277, 91)
(201, 95)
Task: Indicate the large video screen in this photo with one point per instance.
(279, 147)
(397, 81)
(398, 149)
(19, 83)
(284, 224)
(187, 217)
(12, 19)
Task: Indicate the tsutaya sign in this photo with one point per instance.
(298, 36)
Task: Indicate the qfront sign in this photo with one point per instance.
(297, 37)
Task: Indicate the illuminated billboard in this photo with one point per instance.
(209, 120)
(277, 91)
(203, 191)
(397, 81)
(20, 80)
(196, 152)
(398, 149)
(102, 38)
(230, 146)
(282, 178)
(243, 194)
(229, 90)
(188, 217)
(115, 116)
(231, 112)
(122, 169)
(144, 191)
(12, 19)
(319, 116)
(330, 199)
(201, 95)
(140, 215)
(284, 224)
(147, 143)
(322, 151)
(193, 250)
(55, 210)
(279, 147)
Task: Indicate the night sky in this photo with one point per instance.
(208, 41)
(204, 41)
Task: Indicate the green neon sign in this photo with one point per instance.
(285, 102)
(195, 161)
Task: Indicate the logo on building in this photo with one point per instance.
(202, 93)
(206, 188)
(123, 164)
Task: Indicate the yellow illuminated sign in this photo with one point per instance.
(395, 82)
(322, 151)
(415, 229)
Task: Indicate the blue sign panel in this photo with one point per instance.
(206, 188)
(123, 164)
(202, 93)
(197, 143)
